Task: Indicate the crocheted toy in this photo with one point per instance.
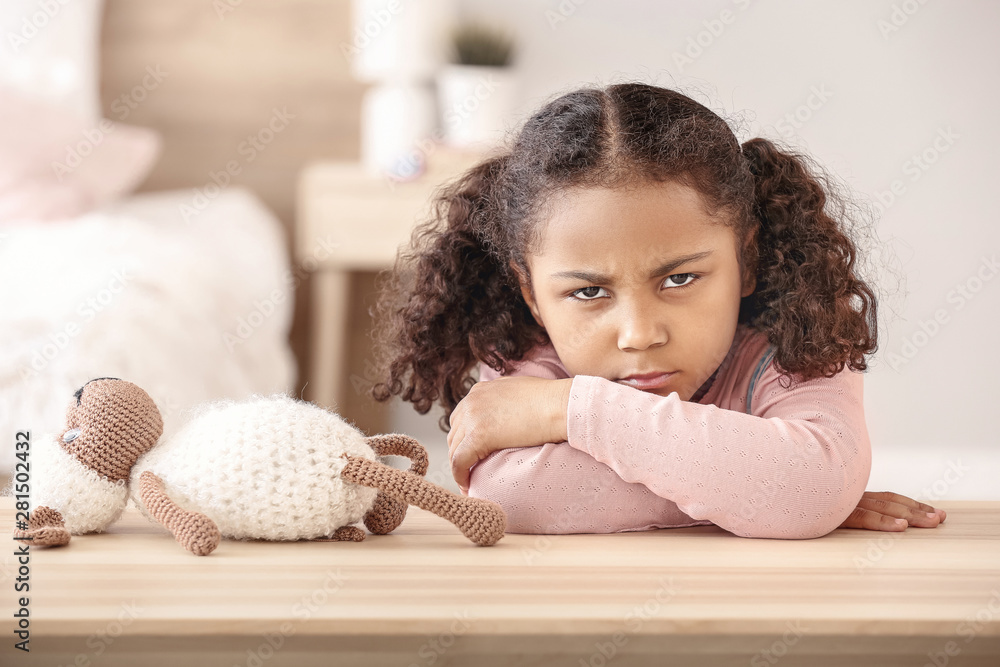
(273, 468)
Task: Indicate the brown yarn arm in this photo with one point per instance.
(46, 528)
(482, 521)
(195, 531)
(387, 512)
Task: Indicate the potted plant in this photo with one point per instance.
(476, 89)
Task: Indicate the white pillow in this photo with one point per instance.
(58, 157)
(54, 165)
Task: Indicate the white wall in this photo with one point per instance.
(892, 85)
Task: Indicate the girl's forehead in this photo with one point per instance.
(663, 219)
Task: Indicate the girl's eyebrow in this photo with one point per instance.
(666, 267)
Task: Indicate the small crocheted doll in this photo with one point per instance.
(273, 468)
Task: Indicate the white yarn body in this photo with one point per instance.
(263, 468)
(87, 501)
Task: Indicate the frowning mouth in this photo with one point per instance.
(646, 381)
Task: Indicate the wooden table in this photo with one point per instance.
(424, 595)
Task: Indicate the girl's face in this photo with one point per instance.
(637, 281)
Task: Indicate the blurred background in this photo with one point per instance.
(198, 196)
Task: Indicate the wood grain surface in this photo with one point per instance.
(425, 595)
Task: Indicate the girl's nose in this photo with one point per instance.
(640, 330)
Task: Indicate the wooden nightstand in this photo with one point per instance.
(349, 221)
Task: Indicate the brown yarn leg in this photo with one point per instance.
(482, 521)
(387, 512)
(195, 531)
(349, 534)
(401, 445)
(344, 534)
(46, 528)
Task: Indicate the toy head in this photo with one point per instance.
(81, 484)
(110, 424)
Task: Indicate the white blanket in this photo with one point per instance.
(190, 302)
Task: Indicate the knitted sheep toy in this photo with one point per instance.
(273, 468)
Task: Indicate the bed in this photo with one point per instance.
(189, 293)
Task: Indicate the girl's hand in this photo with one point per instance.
(879, 511)
(505, 413)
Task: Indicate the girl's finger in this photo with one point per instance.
(871, 520)
(460, 465)
(906, 500)
(455, 422)
(456, 437)
(913, 515)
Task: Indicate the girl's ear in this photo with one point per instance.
(526, 294)
(750, 272)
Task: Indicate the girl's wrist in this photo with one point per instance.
(559, 395)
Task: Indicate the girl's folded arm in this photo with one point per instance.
(555, 489)
(795, 469)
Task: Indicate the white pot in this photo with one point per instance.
(397, 121)
(476, 104)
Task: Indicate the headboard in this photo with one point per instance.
(209, 75)
(223, 70)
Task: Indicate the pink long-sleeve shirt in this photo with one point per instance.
(750, 456)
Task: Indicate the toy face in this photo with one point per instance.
(109, 425)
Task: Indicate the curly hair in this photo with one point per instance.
(453, 299)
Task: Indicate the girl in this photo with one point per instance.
(668, 328)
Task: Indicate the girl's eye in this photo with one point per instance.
(589, 297)
(586, 293)
(681, 275)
